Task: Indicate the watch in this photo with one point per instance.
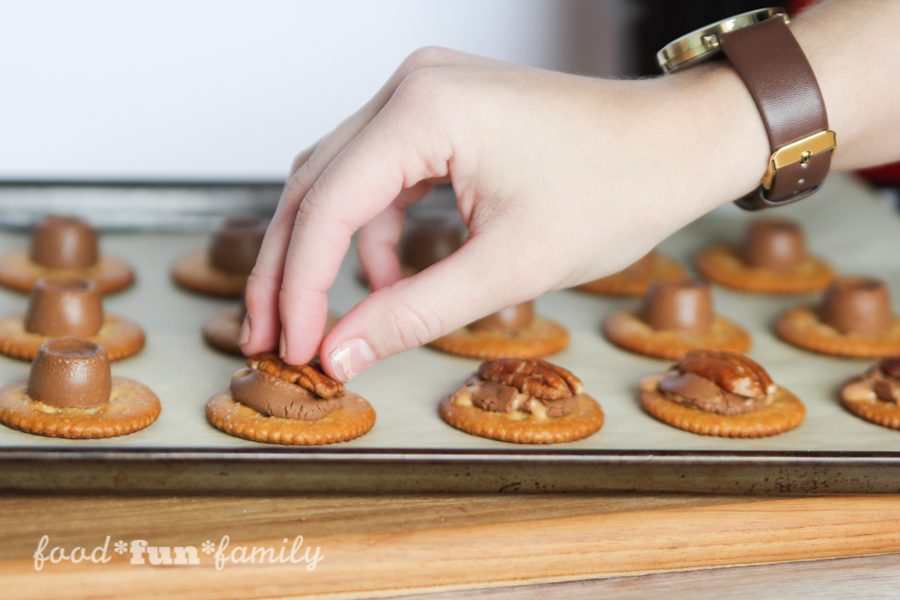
(765, 54)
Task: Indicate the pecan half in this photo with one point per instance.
(537, 378)
(310, 376)
(890, 367)
(733, 373)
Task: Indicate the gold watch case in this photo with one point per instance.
(703, 43)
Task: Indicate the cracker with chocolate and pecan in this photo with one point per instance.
(875, 395)
(723, 394)
(274, 402)
(523, 401)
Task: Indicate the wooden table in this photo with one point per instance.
(389, 545)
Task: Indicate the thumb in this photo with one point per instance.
(465, 286)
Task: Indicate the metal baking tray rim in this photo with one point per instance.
(351, 455)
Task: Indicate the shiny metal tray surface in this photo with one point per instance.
(411, 449)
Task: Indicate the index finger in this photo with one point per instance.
(392, 153)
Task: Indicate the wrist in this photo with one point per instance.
(724, 148)
(765, 55)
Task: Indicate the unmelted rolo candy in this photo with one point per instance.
(235, 246)
(60, 242)
(70, 373)
(682, 306)
(773, 244)
(858, 305)
(64, 305)
(429, 239)
(511, 319)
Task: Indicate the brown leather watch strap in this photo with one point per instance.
(773, 67)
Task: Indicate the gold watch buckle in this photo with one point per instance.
(798, 152)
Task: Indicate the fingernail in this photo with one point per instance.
(245, 331)
(351, 358)
(282, 345)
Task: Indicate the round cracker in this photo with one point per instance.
(542, 338)
(19, 272)
(723, 265)
(786, 412)
(132, 406)
(193, 272)
(354, 417)
(801, 327)
(634, 284)
(585, 420)
(627, 331)
(120, 337)
(874, 410)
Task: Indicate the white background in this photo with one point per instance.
(233, 89)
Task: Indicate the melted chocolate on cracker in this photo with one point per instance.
(277, 389)
(718, 382)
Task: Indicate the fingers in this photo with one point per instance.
(377, 243)
(375, 248)
(264, 283)
(398, 149)
(261, 325)
(416, 310)
(301, 158)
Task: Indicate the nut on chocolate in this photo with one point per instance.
(891, 367)
(733, 373)
(537, 378)
(310, 376)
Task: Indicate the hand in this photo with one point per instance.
(559, 178)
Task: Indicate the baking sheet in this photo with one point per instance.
(845, 222)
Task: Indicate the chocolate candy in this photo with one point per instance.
(511, 319)
(683, 306)
(64, 243)
(773, 244)
(890, 367)
(858, 305)
(235, 245)
(275, 397)
(70, 373)
(64, 305)
(429, 239)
